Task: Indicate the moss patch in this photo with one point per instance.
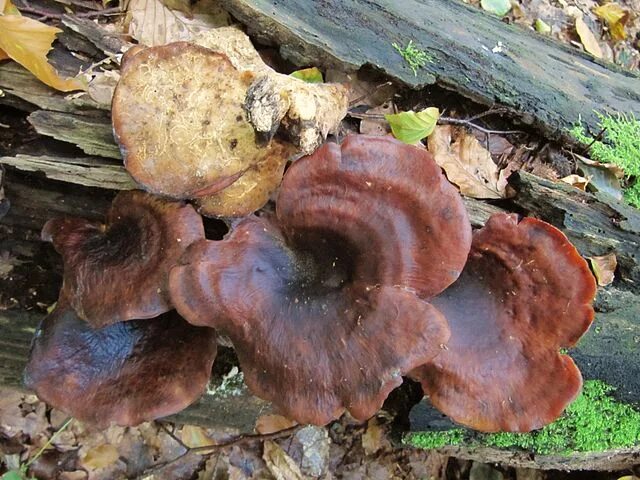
(620, 145)
(594, 422)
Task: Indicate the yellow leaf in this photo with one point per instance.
(615, 17)
(8, 8)
(576, 181)
(27, 41)
(100, 457)
(194, 437)
(309, 75)
(587, 38)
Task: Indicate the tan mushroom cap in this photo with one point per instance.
(126, 373)
(178, 116)
(524, 294)
(118, 270)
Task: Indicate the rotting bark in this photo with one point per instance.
(541, 81)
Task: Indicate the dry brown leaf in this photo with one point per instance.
(100, 456)
(270, 423)
(615, 17)
(152, 23)
(576, 181)
(587, 38)
(467, 163)
(27, 41)
(373, 439)
(281, 465)
(604, 268)
(377, 126)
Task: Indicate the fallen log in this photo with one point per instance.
(542, 82)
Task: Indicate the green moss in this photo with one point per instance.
(415, 58)
(429, 440)
(620, 145)
(594, 422)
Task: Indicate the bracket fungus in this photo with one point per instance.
(321, 301)
(525, 293)
(118, 270)
(189, 129)
(125, 373)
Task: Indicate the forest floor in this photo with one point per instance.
(343, 449)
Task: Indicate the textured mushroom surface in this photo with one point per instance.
(321, 302)
(118, 270)
(524, 294)
(178, 116)
(126, 373)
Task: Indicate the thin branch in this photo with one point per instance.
(211, 449)
(48, 14)
(470, 124)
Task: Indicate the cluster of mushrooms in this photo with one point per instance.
(366, 271)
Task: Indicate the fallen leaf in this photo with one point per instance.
(542, 27)
(615, 17)
(466, 163)
(152, 23)
(8, 8)
(193, 437)
(27, 41)
(377, 126)
(411, 127)
(100, 456)
(497, 7)
(603, 177)
(587, 38)
(372, 439)
(309, 75)
(271, 423)
(102, 86)
(604, 268)
(281, 465)
(576, 181)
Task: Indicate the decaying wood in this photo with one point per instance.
(473, 53)
(94, 135)
(90, 171)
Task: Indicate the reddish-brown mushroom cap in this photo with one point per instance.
(321, 302)
(125, 373)
(309, 339)
(118, 270)
(524, 294)
(391, 200)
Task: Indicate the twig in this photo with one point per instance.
(211, 449)
(47, 14)
(597, 138)
(470, 124)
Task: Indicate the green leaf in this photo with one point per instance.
(411, 127)
(309, 75)
(12, 475)
(542, 27)
(497, 7)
